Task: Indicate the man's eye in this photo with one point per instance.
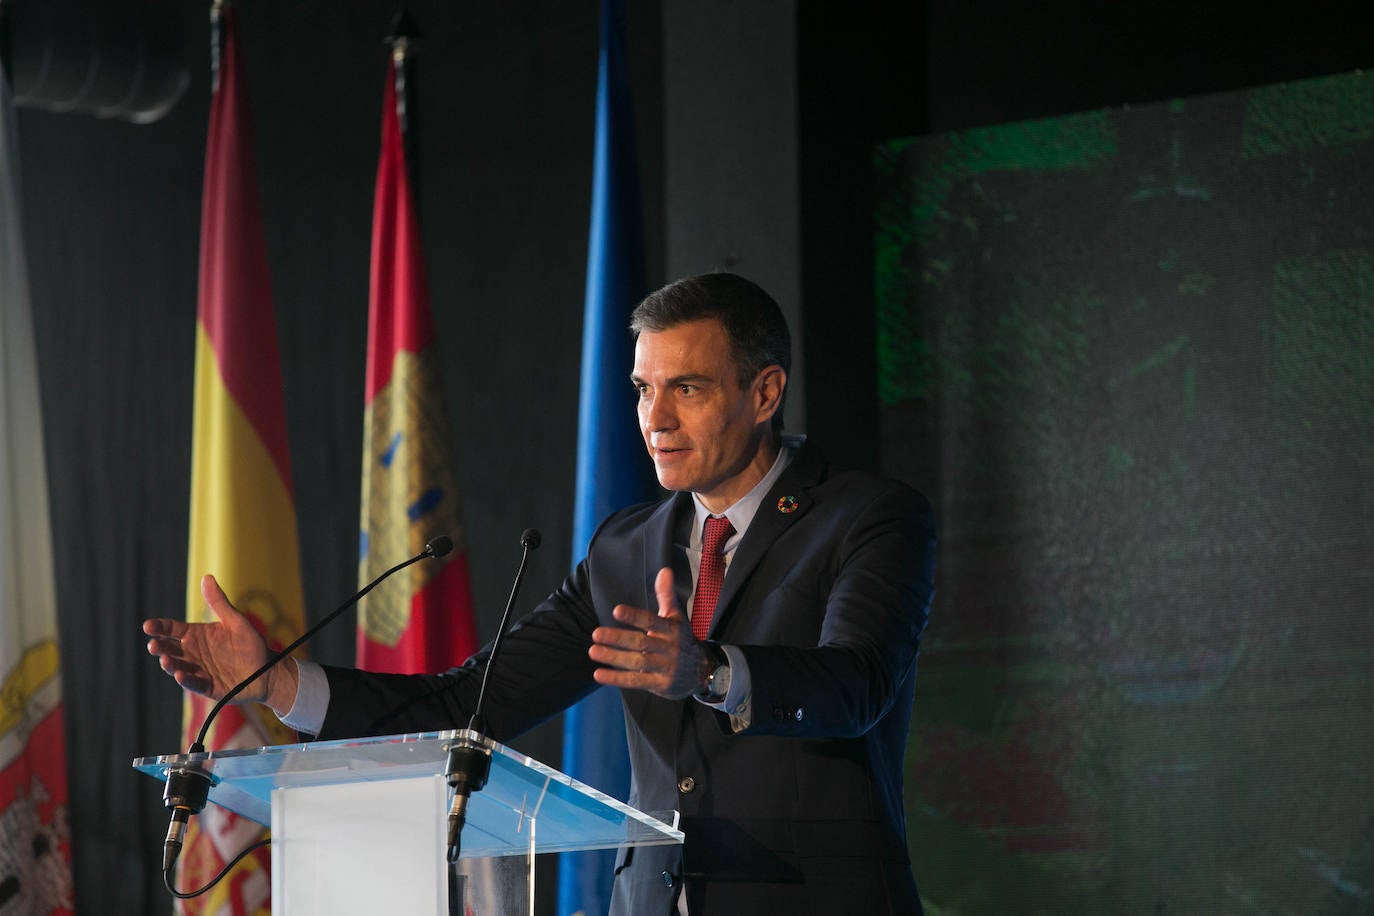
(687, 389)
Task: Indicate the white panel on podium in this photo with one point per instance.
(357, 848)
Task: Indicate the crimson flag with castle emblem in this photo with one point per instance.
(422, 619)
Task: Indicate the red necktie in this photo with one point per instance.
(711, 573)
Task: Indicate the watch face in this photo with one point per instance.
(720, 681)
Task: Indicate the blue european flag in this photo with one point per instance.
(613, 469)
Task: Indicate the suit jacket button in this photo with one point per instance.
(798, 713)
(686, 785)
(667, 879)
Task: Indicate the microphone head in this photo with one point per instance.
(531, 540)
(439, 546)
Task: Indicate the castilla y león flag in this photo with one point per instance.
(422, 619)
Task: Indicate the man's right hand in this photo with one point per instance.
(211, 658)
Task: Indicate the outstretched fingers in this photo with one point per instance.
(208, 658)
(188, 676)
(648, 650)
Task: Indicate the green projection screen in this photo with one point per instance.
(1130, 357)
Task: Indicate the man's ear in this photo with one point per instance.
(769, 385)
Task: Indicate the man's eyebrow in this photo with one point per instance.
(689, 379)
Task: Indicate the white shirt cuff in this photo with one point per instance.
(312, 699)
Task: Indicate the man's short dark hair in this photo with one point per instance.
(753, 323)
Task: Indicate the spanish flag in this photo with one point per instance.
(422, 619)
(243, 521)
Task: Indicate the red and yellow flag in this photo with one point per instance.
(243, 521)
(422, 618)
(35, 847)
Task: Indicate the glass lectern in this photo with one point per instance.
(359, 826)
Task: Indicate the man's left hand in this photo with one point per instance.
(653, 651)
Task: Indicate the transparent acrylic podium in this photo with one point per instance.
(359, 826)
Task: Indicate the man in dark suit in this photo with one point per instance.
(762, 625)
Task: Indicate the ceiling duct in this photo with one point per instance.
(110, 60)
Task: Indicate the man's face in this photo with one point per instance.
(702, 430)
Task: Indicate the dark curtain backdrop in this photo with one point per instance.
(504, 159)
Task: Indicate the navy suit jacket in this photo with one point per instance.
(826, 595)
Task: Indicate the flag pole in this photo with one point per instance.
(216, 42)
(403, 37)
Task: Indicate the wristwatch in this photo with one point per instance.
(716, 673)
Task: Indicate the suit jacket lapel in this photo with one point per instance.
(786, 503)
(659, 535)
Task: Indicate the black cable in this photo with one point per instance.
(187, 895)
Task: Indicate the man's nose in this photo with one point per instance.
(658, 414)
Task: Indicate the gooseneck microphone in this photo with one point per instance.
(188, 787)
(469, 757)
